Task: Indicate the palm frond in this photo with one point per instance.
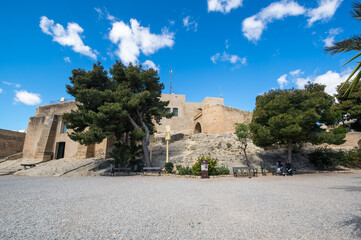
(356, 12)
(347, 45)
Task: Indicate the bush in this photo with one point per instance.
(184, 170)
(169, 167)
(222, 170)
(326, 158)
(229, 145)
(353, 158)
(212, 164)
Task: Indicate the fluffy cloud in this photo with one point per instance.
(150, 64)
(331, 36)
(253, 26)
(67, 59)
(67, 37)
(27, 98)
(223, 6)
(330, 79)
(282, 80)
(1, 90)
(133, 39)
(225, 57)
(190, 24)
(324, 11)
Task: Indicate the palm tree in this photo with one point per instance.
(351, 44)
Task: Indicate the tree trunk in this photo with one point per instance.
(245, 153)
(145, 140)
(289, 155)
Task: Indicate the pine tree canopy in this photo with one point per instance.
(123, 103)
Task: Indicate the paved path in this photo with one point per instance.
(151, 207)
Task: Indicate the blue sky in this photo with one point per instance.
(234, 48)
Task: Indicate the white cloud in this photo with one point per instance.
(1, 90)
(27, 98)
(332, 80)
(16, 85)
(150, 64)
(67, 37)
(171, 22)
(301, 82)
(67, 59)
(296, 72)
(282, 80)
(190, 24)
(225, 57)
(253, 26)
(331, 36)
(227, 44)
(324, 11)
(223, 6)
(133, 39)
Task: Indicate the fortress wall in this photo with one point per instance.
(213, 119)
(212, 101)
(11, 142)
(186, 112)
(33, 133)
(234, 115)
(55, 109)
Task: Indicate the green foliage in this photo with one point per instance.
(184, 170)
(229, 145)
(351, 44)
(294, 116)
(123, 103)
(222, 170)
(350, 106)
(353, 158)
(326, 159)
(243, 134)
(212, 164)
(169, 167)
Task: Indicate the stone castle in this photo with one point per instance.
(46, 136)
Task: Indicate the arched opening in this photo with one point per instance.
(198, 128)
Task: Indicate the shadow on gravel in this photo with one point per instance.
(355, 222)
(349, 188)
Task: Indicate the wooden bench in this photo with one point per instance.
(245, 171)
(30, 165)
(122, 170)
(152, 169)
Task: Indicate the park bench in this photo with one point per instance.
(245, 171)
(30, 165)
(152, 169)
(122, 170)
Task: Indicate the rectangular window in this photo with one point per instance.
(63, 128)
(175, 110)
(168, 110)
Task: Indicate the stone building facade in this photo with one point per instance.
(47, 138)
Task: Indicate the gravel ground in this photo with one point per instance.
(326, 206)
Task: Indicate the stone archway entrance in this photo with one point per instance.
(198, 128)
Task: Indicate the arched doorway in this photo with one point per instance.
(198, 128)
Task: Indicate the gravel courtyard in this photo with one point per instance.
(325, 206)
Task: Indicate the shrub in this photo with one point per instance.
(184, 170)
(212, 164)
(326, 158)
(353, 158)
(222, 170)
(169, 167)
(229, 145)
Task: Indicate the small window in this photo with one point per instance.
(63, 128)
(168, 110)
(175, 110)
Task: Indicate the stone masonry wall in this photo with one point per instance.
(11, 142)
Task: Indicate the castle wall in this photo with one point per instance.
(11, 142)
